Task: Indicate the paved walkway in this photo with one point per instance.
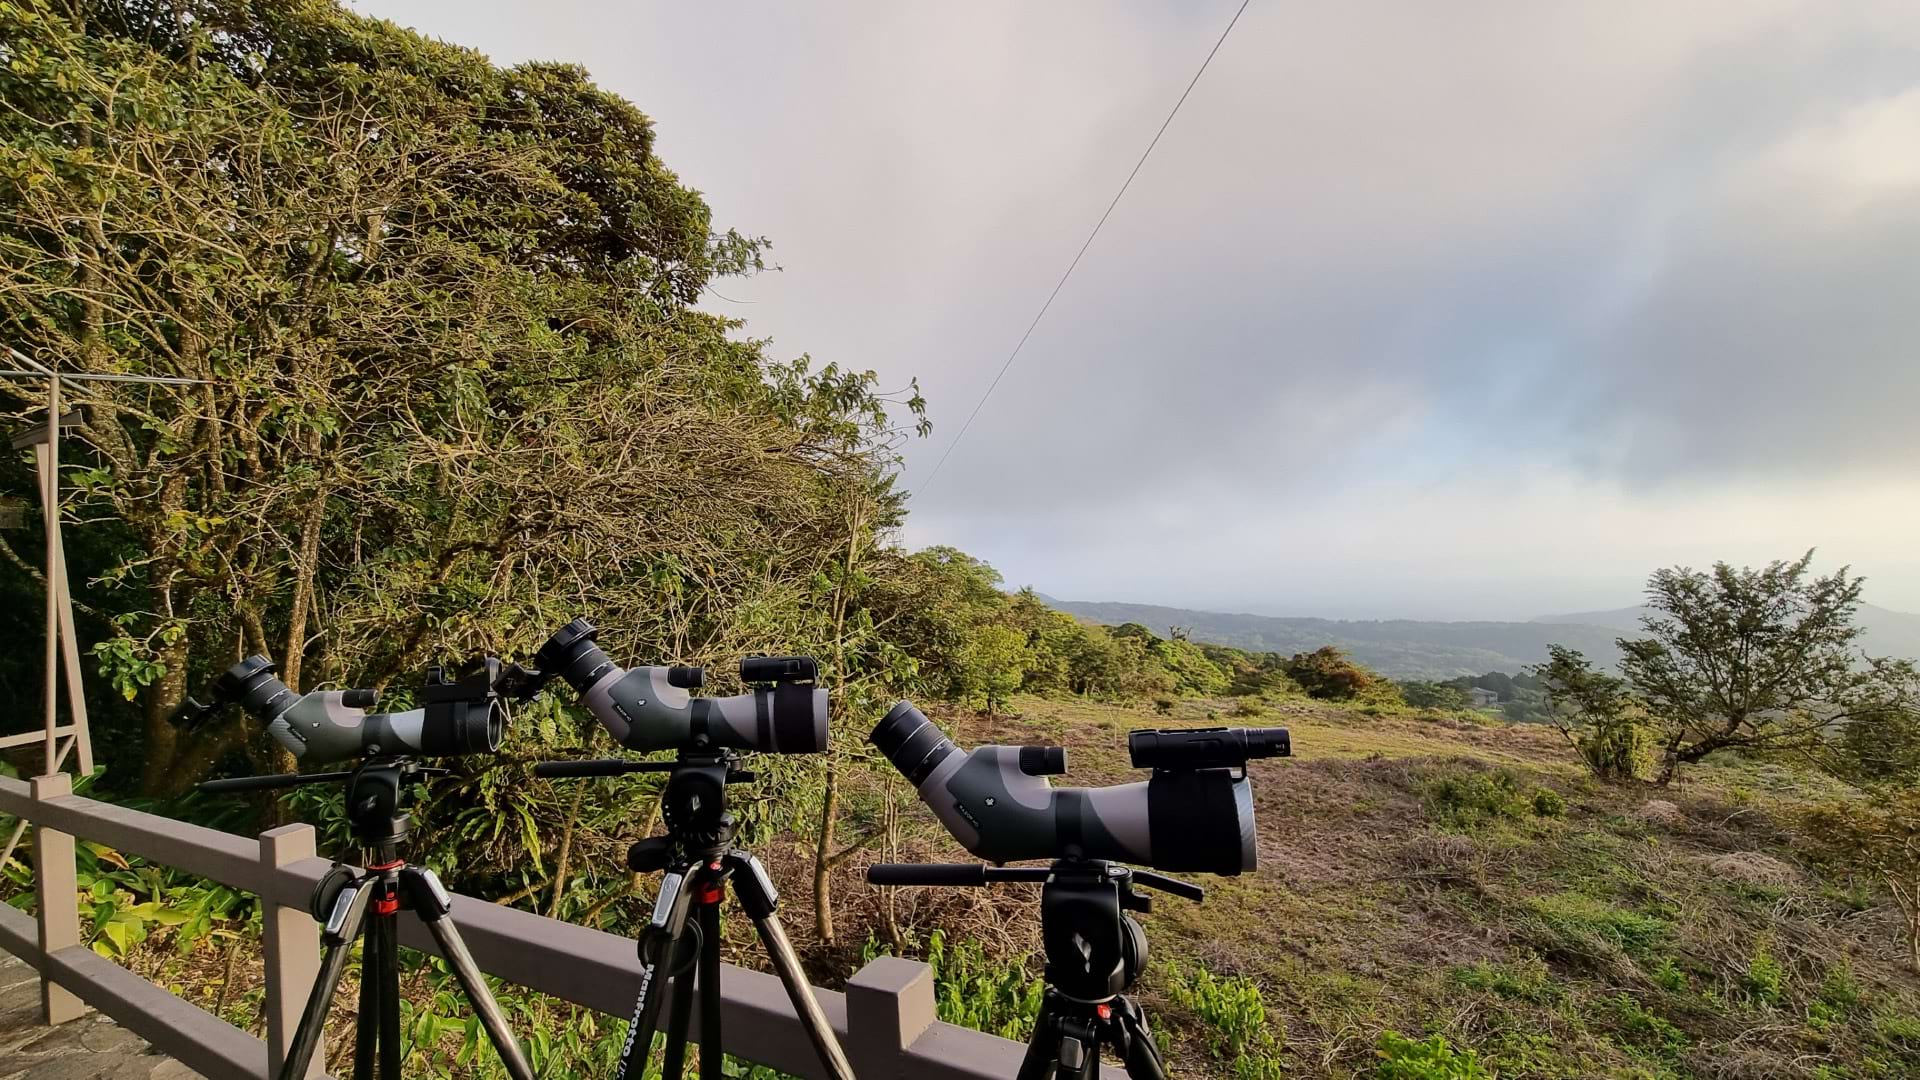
(88, 1048)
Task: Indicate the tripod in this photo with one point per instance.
(680, 945)
(366, 905)
(1094, 952)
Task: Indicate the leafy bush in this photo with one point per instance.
(1465, 800)
(1329, 674)
(1235, 1016)
(974, 990)
(1402, 1058)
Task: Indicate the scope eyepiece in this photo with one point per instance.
(572, 654)
(1043, 760)
(1205, 748)
(911, 742)
(778, 669)
(251, 683)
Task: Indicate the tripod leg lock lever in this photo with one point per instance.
(425, 895)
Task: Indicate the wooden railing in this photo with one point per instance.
(885, 1018)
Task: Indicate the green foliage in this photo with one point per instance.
(1432, 695)
(126, 903)
(1878, 838)
(1597, 714)
(1765, 979)
(1467, 800)
(1588, 926)
(1404, 1058)
(974, 990)
(993, 664)
(1234, 1016)
(1527, 979)
(1329, 674)
(1646, 1028)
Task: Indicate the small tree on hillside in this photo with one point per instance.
(1745, 658)
(1596, 714)
(993, 664)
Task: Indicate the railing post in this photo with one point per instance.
(290, 946)
(56, 885)
(889, 1005)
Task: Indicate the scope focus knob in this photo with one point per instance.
(687, 678)
(359, 699)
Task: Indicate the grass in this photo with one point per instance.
(1432, 887)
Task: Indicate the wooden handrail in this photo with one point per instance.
(885, 1019)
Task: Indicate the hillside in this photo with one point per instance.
(1888, 632)
(1416, 649)
(1399, 648)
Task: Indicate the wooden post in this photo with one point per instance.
(290, 946)
(57, 888)
(889, 1005)
(48, 457)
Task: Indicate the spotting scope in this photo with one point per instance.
(649, 708)
(460, 714)
(1195, 814)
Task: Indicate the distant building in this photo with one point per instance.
(1481, 698)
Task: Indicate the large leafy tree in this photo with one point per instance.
(1744, 658)
(455, 387)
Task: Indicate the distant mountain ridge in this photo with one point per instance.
(1416, 649)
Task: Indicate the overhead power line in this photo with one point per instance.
(1021, 344)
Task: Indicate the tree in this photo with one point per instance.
(1754, 659)
(993, 664)
(1329, 674)
(1432, 695)
(1596, 713)
(456, 388)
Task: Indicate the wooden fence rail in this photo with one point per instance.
(885, 1019)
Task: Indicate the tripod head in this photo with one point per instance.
(694, 806)
(1095, 950)
(374, 792)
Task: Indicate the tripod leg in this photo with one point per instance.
(366, 1028)
(711, 1056)
(1138, 1050)
(1043, 1047)
(758, 897)
(343, 926)
(383, 926)
(433, 905)
(663, 933)
(673, 1063)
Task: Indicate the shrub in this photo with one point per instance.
(1329, 674)
(973, 990)
(1402, 1058)
(1235, 1017)
(1646, 1028)
(1765, 978)
(1163, 706)
(1465, 800)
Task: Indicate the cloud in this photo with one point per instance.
(1463, 308)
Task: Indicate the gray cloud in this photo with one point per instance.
(1459, 309)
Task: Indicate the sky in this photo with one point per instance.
(1461, 311)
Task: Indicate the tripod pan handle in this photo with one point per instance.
(264, 783)
(973, 874)
(598, 767)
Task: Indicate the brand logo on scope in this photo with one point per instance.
(966, 813)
